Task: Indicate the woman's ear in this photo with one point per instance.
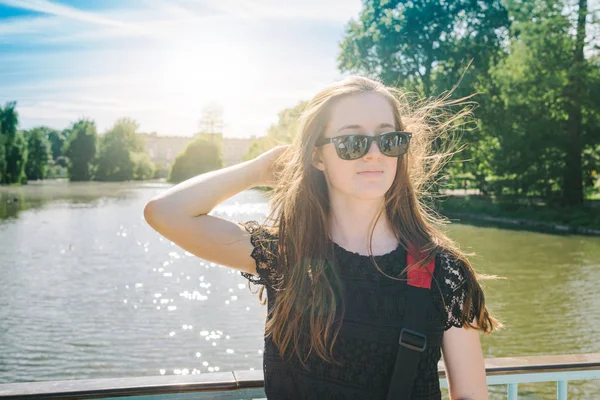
(317, 160)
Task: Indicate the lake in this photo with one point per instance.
(89, 290)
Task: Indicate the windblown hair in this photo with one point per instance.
(309, 303)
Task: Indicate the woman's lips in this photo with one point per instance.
(371, 173)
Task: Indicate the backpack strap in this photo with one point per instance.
(413, 339)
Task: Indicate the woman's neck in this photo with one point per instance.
(351, 229)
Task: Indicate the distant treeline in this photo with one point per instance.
(81, 154)
(76, 152)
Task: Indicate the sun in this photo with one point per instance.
(192, 74)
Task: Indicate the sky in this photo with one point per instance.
(161, 62)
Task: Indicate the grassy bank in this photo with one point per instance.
(524, 210)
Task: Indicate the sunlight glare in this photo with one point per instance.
(195, 73)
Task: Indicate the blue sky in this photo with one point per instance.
(162, 61)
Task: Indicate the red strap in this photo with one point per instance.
(419, 277)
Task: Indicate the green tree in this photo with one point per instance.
(15, 150)
(280, 133)
(143, 168)
(38, 153)
(57, 141)
(201, 155)
(411, 44)
(545, 106)
(2, 156)
(10, 120)
(16, 158)
(114, 153)
(3, 140)
(81, 150)
(572, 192)
(161, 170)
(120, 149)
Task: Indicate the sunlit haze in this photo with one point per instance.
(162, 62)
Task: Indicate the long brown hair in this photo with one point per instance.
(300, 208)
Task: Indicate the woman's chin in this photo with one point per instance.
(371, 192)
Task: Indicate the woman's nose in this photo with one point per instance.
(373, 150)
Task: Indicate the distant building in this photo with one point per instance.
(164, 149)
(234, 149)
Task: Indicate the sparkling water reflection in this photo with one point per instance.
(89, 290)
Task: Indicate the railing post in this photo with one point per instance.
(561, 390)
(513, 390)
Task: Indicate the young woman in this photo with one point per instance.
(346, 208)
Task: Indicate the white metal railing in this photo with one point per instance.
(561, 369)
(237, 385)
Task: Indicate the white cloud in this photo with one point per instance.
(338, 11)
(332, 10)
(27, 25)
(160, 18)
(60, 10)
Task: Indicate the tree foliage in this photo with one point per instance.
(81, 150)
(202, 155)
(39, 152)
(57, 141)
(116, 160)
(143, 167)
(539, 97)
(413, 44)
(280, 133)
(13, 155)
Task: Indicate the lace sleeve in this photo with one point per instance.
(454, 290)
(265, 254)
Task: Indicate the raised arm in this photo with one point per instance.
(180, 213)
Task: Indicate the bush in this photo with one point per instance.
(143, 167)
(200, 156)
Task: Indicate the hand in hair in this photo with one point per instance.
(273, 161)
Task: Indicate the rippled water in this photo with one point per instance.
(89, 290)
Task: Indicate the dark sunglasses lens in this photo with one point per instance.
(393, 144)
(352, 147)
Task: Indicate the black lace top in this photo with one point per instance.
(367, 343)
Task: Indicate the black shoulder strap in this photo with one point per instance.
(413, 339)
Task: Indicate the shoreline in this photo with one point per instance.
(520, 224)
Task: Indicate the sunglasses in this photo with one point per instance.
(352, 147)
